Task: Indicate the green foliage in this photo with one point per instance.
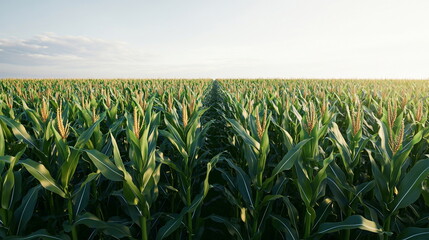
(202, 159)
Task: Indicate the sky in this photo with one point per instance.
(214, 39)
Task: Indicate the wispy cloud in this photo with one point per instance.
(52, 55)
(51, 49)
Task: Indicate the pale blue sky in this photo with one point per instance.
(215, 39)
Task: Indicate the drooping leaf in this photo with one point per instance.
(39, 234)
(289, 159)
(107, 168)
(414, 233)
(42, 174)
(109, 228)
(283, 225)
(410, 187)
(19, 131)
(232, 228)
(243, 134)
(352, 222)
(242, 183)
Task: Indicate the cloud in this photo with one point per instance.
(72, 51)
(56, 56)
(51, 55)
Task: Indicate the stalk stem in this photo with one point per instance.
(256, 216)
(387, 227)
(307, 224)
(51, 203)
(70, 211)
(143, 227)
(348, 212)
(189, 201)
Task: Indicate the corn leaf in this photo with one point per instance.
(42, 174)
(25, 211)
(414, 233)
(352, 222)
(411, 186)
(283, 225)
(107, 168)
(19, 131)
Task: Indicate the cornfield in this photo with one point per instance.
(223, 159)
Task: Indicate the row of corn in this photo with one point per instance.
(129, 159)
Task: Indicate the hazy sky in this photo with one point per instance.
(215, 39)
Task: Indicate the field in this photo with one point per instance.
(204, 159)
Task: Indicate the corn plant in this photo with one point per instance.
(293, 159)
(187, 135)
(140, 182)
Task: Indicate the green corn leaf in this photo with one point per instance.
(171, 164)
(362, 143)
(171, 226)
(19, 131)
(109, 228)
(363, 188)
(401, 156)
(411, 186)
(131, 193)
(196, 116)
(242, 183)
(191, 134)
(380, 180)
(283, 225)
(39, 234)
(86, 135)
(384, 140)
(289, 159)
(9, 184)
(48, 131)
(107, 168)
(7, 159)
(232, 228)
(174, 223)
(321, 174)
(177, 220)
(42, 174)
(292, 212)
(352, 222)
(116, 154)
(61, 144)
(265, 141)
(32, 115)
(336, 172)
(414, 233)
(268, 198)
(322, 212)
(304, 185)
(177, 142)
(25, 211)
(287, 138)
(341, 144)
(2, 142)
(7, 190)
(81, 197)
(227, 177)
(243, 134)
(69, 166)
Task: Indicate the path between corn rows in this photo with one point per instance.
(218, 134)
